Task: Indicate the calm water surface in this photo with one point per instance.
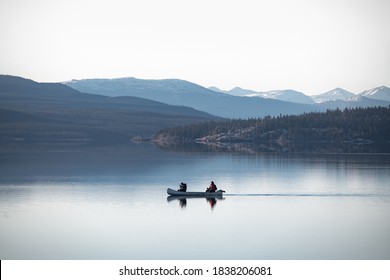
(111, 203)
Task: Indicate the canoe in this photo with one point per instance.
(218, 193)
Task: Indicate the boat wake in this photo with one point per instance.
(308, 194)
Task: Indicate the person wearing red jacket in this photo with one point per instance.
(212, 187)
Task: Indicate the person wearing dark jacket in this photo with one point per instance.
(182, 187)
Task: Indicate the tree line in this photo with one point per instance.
(356, 124)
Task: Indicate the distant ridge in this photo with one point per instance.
(241, 92)
(243, 104)
(380, 93)
(332, 95)
(354, 102)
(32, 111)
(286, 95)
(282, 95)
(184, 93)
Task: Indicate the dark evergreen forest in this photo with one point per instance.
(358, 125)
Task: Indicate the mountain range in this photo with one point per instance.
(184, 93)
(379, 93)
(121, 109)
(236, 103)
(31, 111)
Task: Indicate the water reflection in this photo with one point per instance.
(212, 201)
(291, 147)
(108, 203)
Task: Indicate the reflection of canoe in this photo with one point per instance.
(184, 197)
(218, 193)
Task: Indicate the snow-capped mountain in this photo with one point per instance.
(235, 103)
(381, 93)
(353, 102)
(237, 91)
(282, 95)
(184, 93)
(357, 98)
(286, 95)
(332, 95)
(241, 91)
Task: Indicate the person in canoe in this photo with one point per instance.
(212, 187)
(182, 187)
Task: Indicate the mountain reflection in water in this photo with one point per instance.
(110, 202)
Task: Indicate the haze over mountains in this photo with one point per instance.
(379, 93)
(31, 111)
(120, 109)
(332, 95)
(236, 103)
(283, 95)
(184, 93)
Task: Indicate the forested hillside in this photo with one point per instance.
(31, 111)
(359, 125)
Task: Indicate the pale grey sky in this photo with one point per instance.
(308, 45)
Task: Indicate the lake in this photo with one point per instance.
(111, 203)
